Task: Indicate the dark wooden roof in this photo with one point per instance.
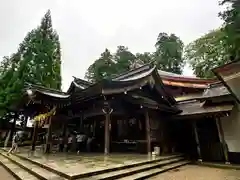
(42, 95)
(79, 84)
(146, 75)
(196, 107)
(215, 90)
(145, 79)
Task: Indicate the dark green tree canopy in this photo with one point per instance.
(109, 65)
(169, 53)
(168, 57)
(102, 68)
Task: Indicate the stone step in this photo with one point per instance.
(35, 170)
(155, 171)
(134, 170)
(15, 170)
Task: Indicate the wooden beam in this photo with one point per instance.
(222, 139)
(197, 141)
(148, 135)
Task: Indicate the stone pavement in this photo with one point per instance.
(5, 175)
(73, 164)
(194, 172)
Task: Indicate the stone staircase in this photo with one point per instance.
(24, 169)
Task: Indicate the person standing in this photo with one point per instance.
(80, 142)
(15, 142)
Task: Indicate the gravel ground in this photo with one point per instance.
(4, 175)
(192, 172)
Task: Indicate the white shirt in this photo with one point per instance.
(80, 137)
(69, 140)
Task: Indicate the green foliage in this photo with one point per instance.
(101, 68)
(144, 58)
(231, 28)
(123, 58)
(206, 53)
(169, 53)
(109, 65)
(168, 56)
(218, 47)
(38, 61)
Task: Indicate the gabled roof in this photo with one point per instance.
(48, 96)
(79, 83)
(146, 75)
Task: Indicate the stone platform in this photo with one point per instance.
(83, 165)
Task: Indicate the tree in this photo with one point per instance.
(102, 68)
(124, 59)
(38, 61)
(206, 53)
(231, 28)
(45, 55)
(109, 65)
(169, 53)
(144, 58)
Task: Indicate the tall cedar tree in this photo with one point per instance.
(38, 61)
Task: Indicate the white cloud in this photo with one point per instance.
(86, 28)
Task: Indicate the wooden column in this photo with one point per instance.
(64, 131)
(107, 127)
(222, 139)
(94, 127)
(35, 133)
(49, 136)
(107, 134)
(197, 141)
(148, 135)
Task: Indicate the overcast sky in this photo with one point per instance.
(87, 27)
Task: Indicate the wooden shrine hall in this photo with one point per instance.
(125, 107)
(139, 110)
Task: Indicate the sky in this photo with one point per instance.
(86, 28)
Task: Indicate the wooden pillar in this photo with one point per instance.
(107, 127)
(94, 127)
(49, 136)
(107, 134)
(35, 133)
(64, 131)
(197, 141)
(148, 135)
(222, 140)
